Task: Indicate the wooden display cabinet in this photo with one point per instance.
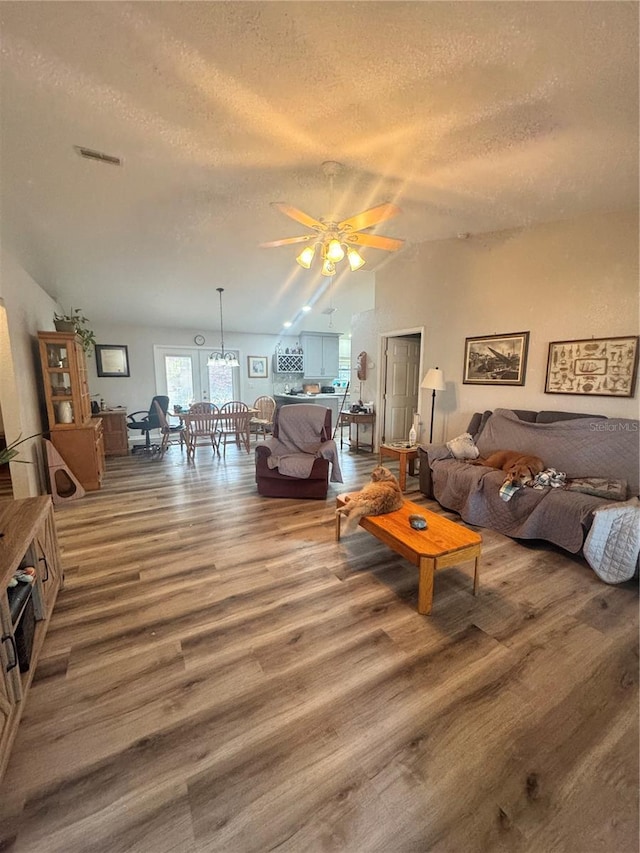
(29, 539)
(76, 436)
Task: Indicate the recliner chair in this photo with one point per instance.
(150, 422)
(272, 483)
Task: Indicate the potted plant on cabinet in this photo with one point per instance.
(75, 321)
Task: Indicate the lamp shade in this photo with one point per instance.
(434, 379)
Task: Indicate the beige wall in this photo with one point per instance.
(28, 308)
(135, 392)
(559, 281)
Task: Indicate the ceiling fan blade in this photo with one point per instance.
(287, 241)
(370, 217)
(298, 215)
(375, 241)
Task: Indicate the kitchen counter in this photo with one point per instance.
(305, 398)
(331, 401)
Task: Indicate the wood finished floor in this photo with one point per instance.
(221, 675)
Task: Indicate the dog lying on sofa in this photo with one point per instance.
(520, 468)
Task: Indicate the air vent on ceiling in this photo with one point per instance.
(90, 154)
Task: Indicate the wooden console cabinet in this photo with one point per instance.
(115, 432)
(77, 436)
(29, 539)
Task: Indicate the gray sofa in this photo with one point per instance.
(577, 445)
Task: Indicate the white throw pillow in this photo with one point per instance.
(463, 447)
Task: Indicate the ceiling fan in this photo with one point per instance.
(335, 239)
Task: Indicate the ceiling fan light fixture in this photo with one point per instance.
(355, 259)
(333, 237)
(328, 267)
(335, 252)
(306, 256)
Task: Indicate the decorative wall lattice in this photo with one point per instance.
(288, 363)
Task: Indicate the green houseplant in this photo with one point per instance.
(75, 321)
(9, 452)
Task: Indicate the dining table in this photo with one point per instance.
(213, 425)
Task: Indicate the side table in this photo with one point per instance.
(406, 457)
(357, 418)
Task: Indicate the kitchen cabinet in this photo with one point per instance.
(76, 436)
(29, 539)
(321, 355)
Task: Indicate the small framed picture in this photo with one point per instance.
(496, 359)
(257, 366)
(599, 367)
(112, 360)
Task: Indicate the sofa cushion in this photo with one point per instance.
(599, 487)
(525, 415)
(479, 419)
(463, 447)
(551, 417)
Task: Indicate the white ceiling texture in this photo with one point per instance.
(471, 117)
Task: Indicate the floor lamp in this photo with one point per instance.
(434, 379)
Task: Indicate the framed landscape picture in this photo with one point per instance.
(496, 359)
(257, 366)
(599, 367)
(112, 360)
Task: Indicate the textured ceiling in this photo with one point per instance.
(472, 117)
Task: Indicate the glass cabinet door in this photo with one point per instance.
(65, 380)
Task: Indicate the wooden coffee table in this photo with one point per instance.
(444, 543)
(406, 457)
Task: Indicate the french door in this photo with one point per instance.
(184, 375)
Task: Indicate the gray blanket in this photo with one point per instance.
(552, 514)
(299, 443)
(586, 447)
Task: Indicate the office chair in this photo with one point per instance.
(149, 422)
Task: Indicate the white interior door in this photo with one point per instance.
(186, 377)
(402, 372)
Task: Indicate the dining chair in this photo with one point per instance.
(202, 421)
(167, 430)
(261, 423)
(234, 424)
(202, 408)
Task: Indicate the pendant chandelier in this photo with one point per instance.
(220, 358)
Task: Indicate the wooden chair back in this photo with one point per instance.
(202, 423)
(262, 419)
(235, 422)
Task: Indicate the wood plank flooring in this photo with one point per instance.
(220, 675)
